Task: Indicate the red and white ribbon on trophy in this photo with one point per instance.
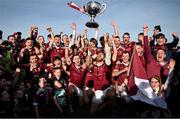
(75, 6)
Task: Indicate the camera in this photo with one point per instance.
(158, 27)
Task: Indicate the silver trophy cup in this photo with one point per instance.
(93, 9)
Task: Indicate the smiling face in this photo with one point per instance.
(161, 41)
(86, 42)
(57, 63)
(41, 40)
(139, 50)
(42, 82)
(57, 40)
(100, 57)
(117, 42)
(155, 84)
(126, 38)
(29, 43)
(161, 55)
(65, 38)
(57, 72)
(11, 39)
(57, 84)
(77, 60)
(125, 57)
(92, 44)
(33, 59)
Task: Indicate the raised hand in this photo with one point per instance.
(49, 29)
(145, 30)
(106, 37)
(73, 26)
(35, 28)
(174, 34)
(113, 23)
(84, 33)
(61, 33)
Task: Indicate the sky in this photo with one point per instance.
(130, 16)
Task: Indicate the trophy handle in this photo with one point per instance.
(85, 10)
(102, 9)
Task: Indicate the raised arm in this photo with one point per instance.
(115, 28)
(72, 40)
(66, 44)
(33, 32)
(114, 56)
(84, 34)
(49, 29)
(78, 40)
(96, 33)
(148, 56)
(174, 42)
(107, 49)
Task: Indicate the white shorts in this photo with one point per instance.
(77, 90)
(99, 95)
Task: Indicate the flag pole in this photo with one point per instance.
(130, 63)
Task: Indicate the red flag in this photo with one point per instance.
(139, 86)
(75, 6)
(138, 70)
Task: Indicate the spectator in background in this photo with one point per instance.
(162, 43)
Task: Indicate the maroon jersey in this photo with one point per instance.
(100, 77)
(142, 60)
(121, 77)
(164, 70)
(50, 69)
(128, 47)
(57, 52)
(88, 78)
(120, 51)
(77, 76)
(32, 51)
(156, 47)
(46, 54)
(82, 53)
(39, 69)
(95, 51)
